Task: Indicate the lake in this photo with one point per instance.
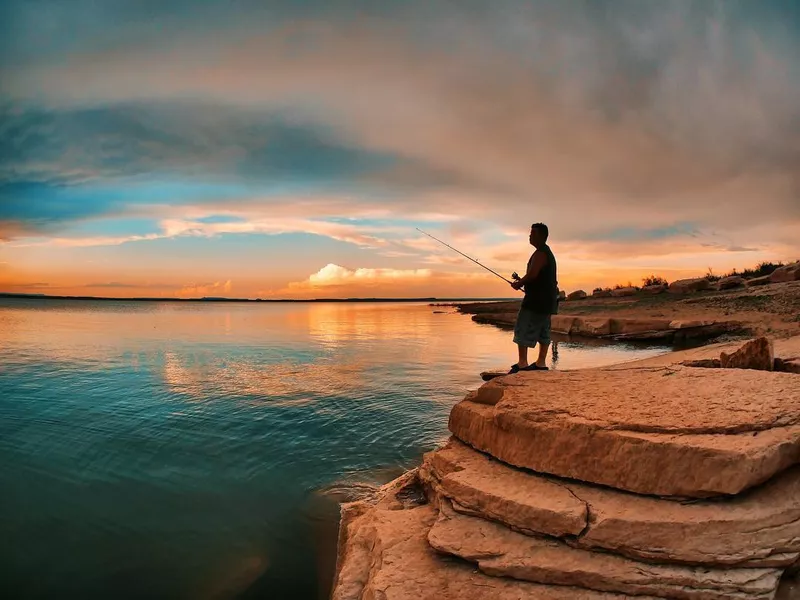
(184, 450)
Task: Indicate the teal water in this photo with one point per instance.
(182, 450)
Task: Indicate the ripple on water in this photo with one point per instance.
(163, 450)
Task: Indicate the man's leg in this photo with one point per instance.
(541, 361)
(544, 342)
(523, 356)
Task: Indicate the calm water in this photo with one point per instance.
(168, 450)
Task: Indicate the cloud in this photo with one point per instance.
(336, 280)
(612, 122)
(193, 290)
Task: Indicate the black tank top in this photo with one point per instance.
(541, 295)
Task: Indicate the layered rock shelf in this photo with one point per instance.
(619, 329)
(636, 481)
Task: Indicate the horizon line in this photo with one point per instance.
(223, 299)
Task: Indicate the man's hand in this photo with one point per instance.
(517, 285)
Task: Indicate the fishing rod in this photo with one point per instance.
(464, 255)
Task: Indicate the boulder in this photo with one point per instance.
(786, 273)
(755, 354)
(732, 282)
(654, 289)
(601, 294)
(384, 553)
(625, 291)
(632, 327)
(759, 528)
(685, 286)
(498, 551)
(677, 431)
(792, 365)
(576, 295)
(756, 281)
(594, 327)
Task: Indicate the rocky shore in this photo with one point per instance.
(660, 478)
(689, 313)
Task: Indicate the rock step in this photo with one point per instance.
(759, 528)
(384, 554)
(674, 431)
(500, 552)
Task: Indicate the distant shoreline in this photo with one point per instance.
(250, 300)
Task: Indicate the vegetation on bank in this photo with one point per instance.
(761, 270)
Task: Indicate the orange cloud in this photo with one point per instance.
(195, 290)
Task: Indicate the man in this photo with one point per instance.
(540, 301)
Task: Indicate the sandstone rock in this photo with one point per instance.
(630, 327)
(671, 432)
(732, 282)
(529, 503)
(755, 354)
(576, 295)
(786, 273)
(654, 289)
(756, 281)
(759, 528)
(684, 286)
(384, 555)
(592, 327)
(501, 552)
(790, 365)
(601, 294)
(563, 324)
(706, 363)
(625, 291)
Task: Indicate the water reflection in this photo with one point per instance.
(174, 450)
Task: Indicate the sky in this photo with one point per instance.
(290, 149)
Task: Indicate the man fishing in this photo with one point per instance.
(540, 302)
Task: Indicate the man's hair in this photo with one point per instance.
(542, 229)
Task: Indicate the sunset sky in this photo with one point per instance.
(289, 149)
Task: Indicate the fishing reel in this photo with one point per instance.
(515, 277)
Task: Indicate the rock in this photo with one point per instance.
(654, 289)
(732, 282)
(501, 552)
(670, 432)
(576, 295)
(384, 554)
(790, 365)
(630, 327)
(684, 286)
(706, 363)
(755, 354)
(625, 291)
(786, 273)
(529, 503)
(601, 294)
(592, 327)
(756, 281)
(759, 528)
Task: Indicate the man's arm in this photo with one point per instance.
(537, 264)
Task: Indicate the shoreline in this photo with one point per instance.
(370, 529)
(701, 316)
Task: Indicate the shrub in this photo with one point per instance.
(710, 275)
(654, 280)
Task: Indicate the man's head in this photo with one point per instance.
(539, 233)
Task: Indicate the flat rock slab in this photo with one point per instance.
(757, 528)
(384, 555)
(675, 431)
(501, 552)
